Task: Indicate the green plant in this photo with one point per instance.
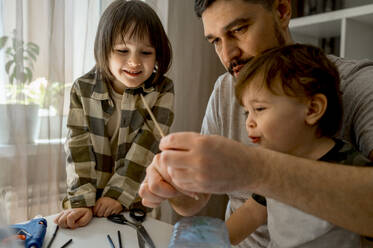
(21, 57)
(21, 88)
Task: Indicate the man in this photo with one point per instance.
(342, 195)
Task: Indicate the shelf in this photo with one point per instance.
(354, 27)
(329, 24)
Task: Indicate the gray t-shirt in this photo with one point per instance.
(225, 117)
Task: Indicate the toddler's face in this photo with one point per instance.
(131, 62)
(274, 121)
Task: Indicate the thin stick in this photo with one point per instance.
(110, 241)
(162, 134)
(67, 243)
(152, 116)
(53, 237)
(120, 240)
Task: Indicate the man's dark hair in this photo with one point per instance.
(201, 5)
(138, 18)
(303, 71)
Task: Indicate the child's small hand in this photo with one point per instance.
(73, 218)
(106, 206)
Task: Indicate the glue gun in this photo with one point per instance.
(33, 231)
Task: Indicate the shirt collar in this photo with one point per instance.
(146, 87)
(100, 89)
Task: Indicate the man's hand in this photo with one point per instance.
(158, 187)
(208, 164)
(73, 218)
(106, 206)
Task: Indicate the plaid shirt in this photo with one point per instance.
(92, 171)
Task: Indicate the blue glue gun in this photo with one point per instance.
(34, 232)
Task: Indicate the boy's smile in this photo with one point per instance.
(132, 73)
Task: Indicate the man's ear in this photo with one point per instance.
(317, 105)
(282, 9)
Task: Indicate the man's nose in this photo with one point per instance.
(229, 51)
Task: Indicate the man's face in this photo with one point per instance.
(240, 30)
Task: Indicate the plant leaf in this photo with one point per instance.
(28, 74)
(12, 76)
(33, 47)
(9, 51)
(3, 41)
(31, 55)
(8, 65)
(19, 75)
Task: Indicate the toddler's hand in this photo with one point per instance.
(106, 206)
(73, 218)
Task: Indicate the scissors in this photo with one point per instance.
(139, 216)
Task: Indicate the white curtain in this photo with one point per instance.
(32, 170)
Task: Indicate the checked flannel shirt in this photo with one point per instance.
(92, 171)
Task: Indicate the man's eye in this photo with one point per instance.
(240, 29)
(214, 41)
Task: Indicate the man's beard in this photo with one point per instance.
(237, 62)
(280, 42)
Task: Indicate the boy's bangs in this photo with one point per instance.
(136, 30)
(133, 28)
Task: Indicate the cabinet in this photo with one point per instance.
(353, 27)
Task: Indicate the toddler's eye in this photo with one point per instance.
(246, 113)
(258, 109)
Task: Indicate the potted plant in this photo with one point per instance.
(19, 113)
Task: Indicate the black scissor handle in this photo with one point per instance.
(138, 214)
(117, 218)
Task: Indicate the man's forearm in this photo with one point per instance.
(342, 195)
(187, 206)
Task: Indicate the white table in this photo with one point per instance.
(94, 234)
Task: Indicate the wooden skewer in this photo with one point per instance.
(152, 116)
(195, 196)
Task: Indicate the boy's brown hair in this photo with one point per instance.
(121, 17)
(303, 71)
